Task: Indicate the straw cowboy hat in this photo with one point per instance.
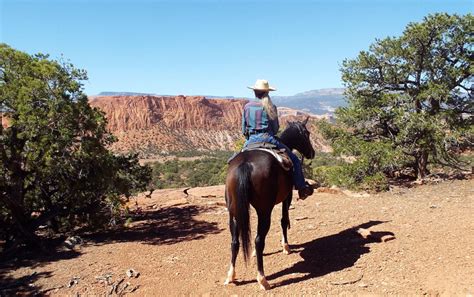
(262, 85)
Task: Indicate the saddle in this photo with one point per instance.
(279, 154)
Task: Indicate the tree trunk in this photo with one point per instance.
(20, 219)
(14, 196)
(421, 164)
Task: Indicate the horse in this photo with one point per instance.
(256, 178)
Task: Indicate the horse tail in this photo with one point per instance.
(242, 217)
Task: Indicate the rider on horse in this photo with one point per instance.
(260, 124)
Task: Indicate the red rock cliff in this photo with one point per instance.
(144, 112)
(152, 125)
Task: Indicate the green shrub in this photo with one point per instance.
(207, 171)
(351, 176)
(326, 176)
(377, 182)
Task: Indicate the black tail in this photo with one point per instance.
(242, 217)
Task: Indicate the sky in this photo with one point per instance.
(209, 47)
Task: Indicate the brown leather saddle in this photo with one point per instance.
(278, 153)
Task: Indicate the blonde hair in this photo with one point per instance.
(269, 107)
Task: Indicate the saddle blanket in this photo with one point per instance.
(279, 154)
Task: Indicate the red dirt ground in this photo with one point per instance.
(181, 246)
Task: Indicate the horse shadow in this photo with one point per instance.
(331, 253)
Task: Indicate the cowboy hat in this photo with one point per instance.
(262, 85)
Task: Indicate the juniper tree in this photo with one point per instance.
(410, 100)
(55, 168)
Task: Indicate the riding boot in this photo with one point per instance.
(306, 191)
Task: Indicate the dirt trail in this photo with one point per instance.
(181, 246)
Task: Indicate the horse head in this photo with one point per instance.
(296, 136)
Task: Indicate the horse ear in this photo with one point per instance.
(305, 121)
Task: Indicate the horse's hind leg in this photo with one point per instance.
(262, 230)
(234, 247)
(285, 224)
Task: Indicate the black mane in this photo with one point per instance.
(293, 134)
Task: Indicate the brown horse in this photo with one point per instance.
(255, 177)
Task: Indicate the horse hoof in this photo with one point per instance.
(229, 280)
(230, 276)
(286, 249)
(262, 281)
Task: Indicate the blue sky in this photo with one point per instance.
(209, 47)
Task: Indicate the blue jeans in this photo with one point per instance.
(298, 178)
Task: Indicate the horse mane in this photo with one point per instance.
(296, 125)
(291, 134)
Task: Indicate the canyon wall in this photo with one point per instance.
(152, 125)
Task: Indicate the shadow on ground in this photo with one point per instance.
(30, 257)
(21, 286)
(163, 226)
(328, 254)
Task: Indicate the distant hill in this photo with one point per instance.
(319, 102)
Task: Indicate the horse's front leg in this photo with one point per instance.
(262, 230)
(285, 223)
